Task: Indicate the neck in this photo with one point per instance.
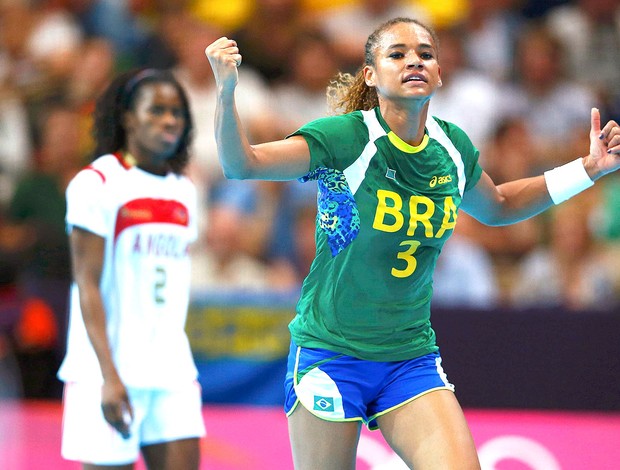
(407, 123)
(149, 165)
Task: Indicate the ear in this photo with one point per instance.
(439, 83)
(369, 75)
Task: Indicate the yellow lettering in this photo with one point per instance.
(407, 256)
(421, 216)
(393, 210)
(449, 217)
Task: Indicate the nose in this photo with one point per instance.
(171, 118)
(415, 64)
(413, 61)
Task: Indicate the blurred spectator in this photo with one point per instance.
(510, 151)
(301, 94)
(194, 72)
(196, 76)
(118, 22)
(570, 271)
(349, 25)
(89, 77)
(41, 46)
(505, 245)
(491, 28)
(159, 48)
(38, 208)
(292, 245)
(219, 263)
(590, 35)
(267, 38)
(465, 92)
(461, 260)
(15, 137)
(555, 106)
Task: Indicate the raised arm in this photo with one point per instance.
(520, 199)
(87, 252)
(279, 160)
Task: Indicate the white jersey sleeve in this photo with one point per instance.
(84, 202)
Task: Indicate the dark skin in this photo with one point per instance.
(153, 130)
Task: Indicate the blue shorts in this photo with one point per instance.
(337, 387)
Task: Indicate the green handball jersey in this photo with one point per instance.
(385, 210)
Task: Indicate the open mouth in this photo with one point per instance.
(414, 78)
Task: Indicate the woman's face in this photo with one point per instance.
(156, 124)
(406, 64)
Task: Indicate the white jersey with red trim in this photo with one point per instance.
(148, 223)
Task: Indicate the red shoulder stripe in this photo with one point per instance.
(90, 167)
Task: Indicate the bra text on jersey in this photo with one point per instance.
(389, 216)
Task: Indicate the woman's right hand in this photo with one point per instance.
(116, 406)
(224, 57)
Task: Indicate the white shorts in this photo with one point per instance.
(159, 416)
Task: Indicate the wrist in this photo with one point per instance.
(568, 180)
(593, 170)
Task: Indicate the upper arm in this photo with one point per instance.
(281, 160)
(483, 202)
(87, 255)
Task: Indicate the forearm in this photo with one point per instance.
(506, 203)
(522, 199)
(234, 149)
(93, 313)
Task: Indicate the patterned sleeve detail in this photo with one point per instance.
(338, 216)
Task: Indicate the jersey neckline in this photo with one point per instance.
(399, 143)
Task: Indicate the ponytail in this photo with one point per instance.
(348, 93)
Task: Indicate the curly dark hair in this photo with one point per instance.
(119, 97)
(347, 93)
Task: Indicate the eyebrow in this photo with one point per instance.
(401, 45)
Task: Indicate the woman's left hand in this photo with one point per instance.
(604, 147)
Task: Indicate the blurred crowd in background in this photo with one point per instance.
(519, 76)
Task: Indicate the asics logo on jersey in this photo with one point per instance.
(435, 180)
(323, 403)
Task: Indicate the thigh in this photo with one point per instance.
(173, 455)
(317, 443)
(430, 432)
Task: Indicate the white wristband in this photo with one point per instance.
(566, 181)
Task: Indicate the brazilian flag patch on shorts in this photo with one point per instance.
(323, 403)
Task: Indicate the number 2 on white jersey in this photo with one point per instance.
(160, 283)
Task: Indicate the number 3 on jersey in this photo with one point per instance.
(407, 256)
(160, 284)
